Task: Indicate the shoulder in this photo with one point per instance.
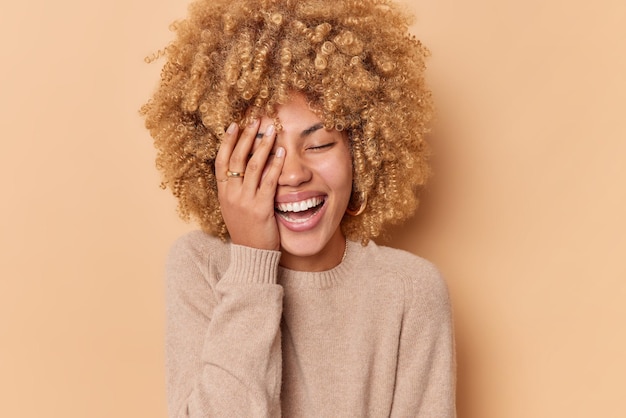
(196, 246)
(403, 264)
(422, 281)
(193, 258)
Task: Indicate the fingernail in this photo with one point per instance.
(280, 152)
(231, 128)
(253, 122)
(270, 130)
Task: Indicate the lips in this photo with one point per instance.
(301, 214)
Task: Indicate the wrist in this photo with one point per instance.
(252, 265)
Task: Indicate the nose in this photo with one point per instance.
(295, 170)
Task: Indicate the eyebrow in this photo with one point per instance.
(312, 129)
(308, 131)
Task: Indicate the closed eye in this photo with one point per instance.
(321, 147)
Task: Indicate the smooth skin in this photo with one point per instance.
(302, 161)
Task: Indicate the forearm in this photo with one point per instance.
(223, 351)
(241, 359)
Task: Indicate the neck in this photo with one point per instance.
(329, 257)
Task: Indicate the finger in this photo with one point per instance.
(223, 154)
(258, 161)
(239, 155)
(269, 181)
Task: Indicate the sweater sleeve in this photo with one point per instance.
(223, 354)
(426, 375)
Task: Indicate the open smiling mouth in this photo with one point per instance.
(302, 211)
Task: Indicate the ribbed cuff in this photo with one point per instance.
(251, 265)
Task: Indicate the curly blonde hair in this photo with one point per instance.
(353, 60)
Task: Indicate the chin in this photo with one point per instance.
(300, 246)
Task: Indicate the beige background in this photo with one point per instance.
(525, 217)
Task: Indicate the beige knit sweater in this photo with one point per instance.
(246, 338)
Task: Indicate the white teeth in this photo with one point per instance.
(299, 206)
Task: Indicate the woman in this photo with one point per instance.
(293, 131)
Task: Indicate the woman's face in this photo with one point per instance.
(313, 188)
